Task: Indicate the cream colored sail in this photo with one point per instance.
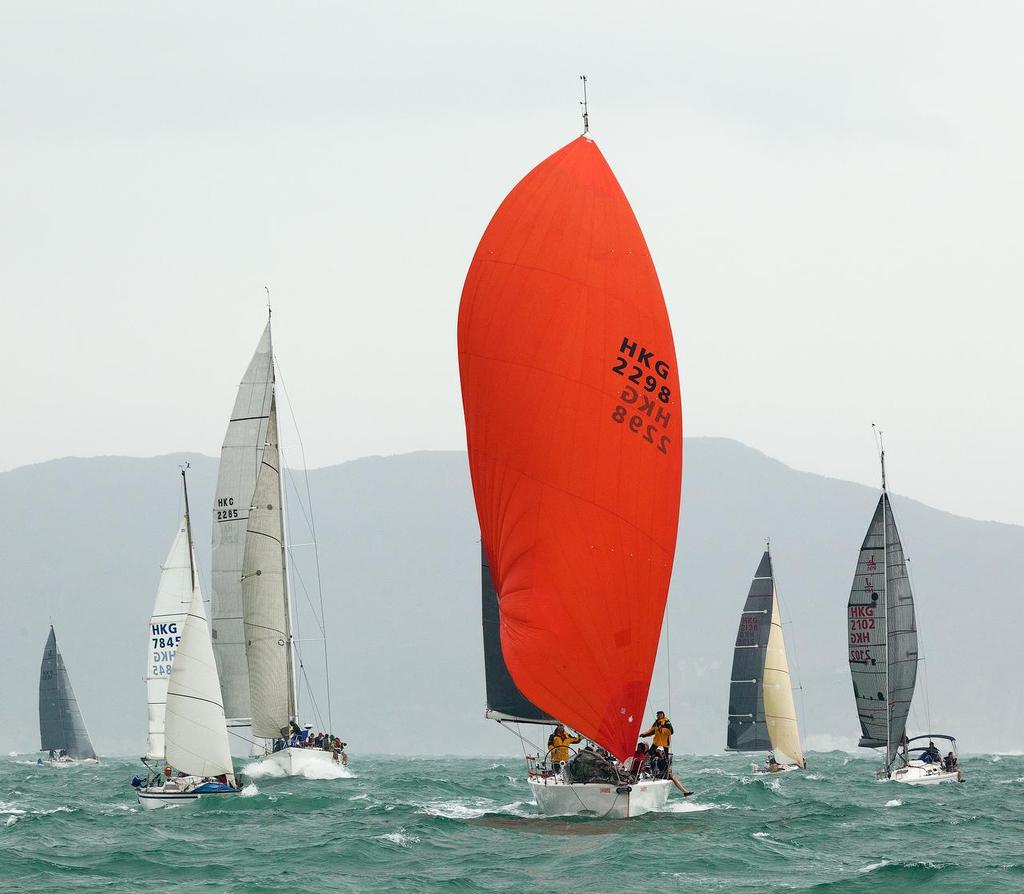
(779, 710)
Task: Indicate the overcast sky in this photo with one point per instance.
(832, 194)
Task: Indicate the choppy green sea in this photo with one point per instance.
(468, 824)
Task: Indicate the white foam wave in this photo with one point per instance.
(895, 802)
(249, 791)
(479, 807)
(401, 838)
(319, 770)
(762, 835)
(11, 820)
(871, 867)
(10, 808)
(678, 806)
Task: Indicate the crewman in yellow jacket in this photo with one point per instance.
(662, 731)
(558, 744)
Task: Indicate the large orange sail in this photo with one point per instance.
(574, 431)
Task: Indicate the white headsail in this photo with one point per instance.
(173, 598)
(196, 729)
(240, 459)
(265, 599)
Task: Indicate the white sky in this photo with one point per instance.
(832, 194)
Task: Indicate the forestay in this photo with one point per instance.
(882, 635)
(173, 598)
(196, 731)
(265, 599)
(61, 727)
(240, 459)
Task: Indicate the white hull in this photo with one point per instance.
(62, 763)
(152, 800)
(605, 800)
(176, 793)
(311, 762)
(923, 774)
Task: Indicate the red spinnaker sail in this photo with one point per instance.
(574, 430)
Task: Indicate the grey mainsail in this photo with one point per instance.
(882, 635)
(240, 460)
(265, 599)
(748, 730)
(61, 727)
(504, 700)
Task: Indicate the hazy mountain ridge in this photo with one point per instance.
(83, 540)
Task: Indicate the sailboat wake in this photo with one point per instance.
(319, 770)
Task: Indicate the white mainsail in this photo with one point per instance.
(240, 460)
(779, 710)
(265, 599)
(196, 729)
(173, 598)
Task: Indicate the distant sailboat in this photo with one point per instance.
(252, 621)
(62, 731)
(883, 654)
(187, 727)
(762, 716)
(574, 434)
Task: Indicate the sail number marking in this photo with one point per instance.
(641, 357)
(645, 419)
(862, 620)
(164, 638)
(224, 510)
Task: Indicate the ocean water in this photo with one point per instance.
(468, 824)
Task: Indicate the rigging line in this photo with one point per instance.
(668, 655)
(312, 608)
(312, 528)
(791, 647)
(920, 660)
(318, 716)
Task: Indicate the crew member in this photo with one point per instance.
(558, 745)
(662, 731)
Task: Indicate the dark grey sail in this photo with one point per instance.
(882, 635)
(504, 700)
(61, 727)
(748, 730)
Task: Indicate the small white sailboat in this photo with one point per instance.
(883, 655)
(252, 613)
(62, 732)
(187, 727)
(762, 715)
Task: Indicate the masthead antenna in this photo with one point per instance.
(267, 290)
(583, 105)
(881, 450)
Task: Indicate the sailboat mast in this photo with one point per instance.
(885, 578)
(188, 526)
(583, 106)
(293, 687)
(293, 683)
